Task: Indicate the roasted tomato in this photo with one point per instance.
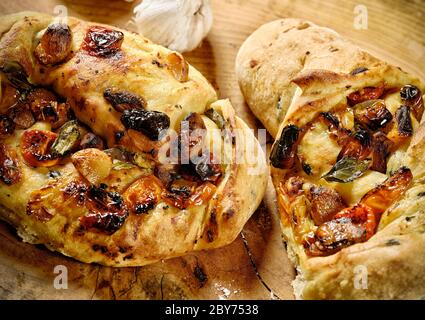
(178, 66)
(412, 97)
(143, 194)
(35, 148)
(108, 211)
(283, 152)
(372, 114)
(102, 42)
(382, 196)
(404, 122)
(179, 192)
(357, 145)
(153, 124)
(10, 170)
(368, 93)
(55, 44)
(41, 98)
(202, 194)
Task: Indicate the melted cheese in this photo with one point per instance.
(318, 150)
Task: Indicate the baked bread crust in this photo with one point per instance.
(393, 257)
(164, 232)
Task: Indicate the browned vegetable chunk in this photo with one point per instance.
(90, 140)
(325, 203)
(10, 171)
(123, 100)
(372, 114)
(55, 44)
(21, 116)
(143, 194)
(412, 97)
(35, 148)
(7, 126)
(368, 93)
(102, 42)
(381, 147)
(283, 152)
(404, 123)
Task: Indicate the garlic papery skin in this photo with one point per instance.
(179, 25)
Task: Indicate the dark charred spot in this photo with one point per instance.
(404, 122)
(283, 152)
(331, 119)
(124, 100)
(102, 42)
(76, 189)
(7, 126)
(392, 242)
(358, 70)
(145, 206)
(229, 213)
(151, 123)
(306, 168)
(119, 135)
(200, 275)
(412, 97)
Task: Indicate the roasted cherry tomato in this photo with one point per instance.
(143, 194)
(35, 148)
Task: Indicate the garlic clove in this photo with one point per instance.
(177, 24)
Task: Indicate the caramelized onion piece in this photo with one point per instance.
(367, 93)
(55, 44)
(411, 96)
(283, 152)
(10, 171)
(35, 148)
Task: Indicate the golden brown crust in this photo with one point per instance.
(82, 79)
(390, 264)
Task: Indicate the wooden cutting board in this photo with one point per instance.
(255, 266)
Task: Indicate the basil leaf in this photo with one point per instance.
(346, 170)
(67, 139)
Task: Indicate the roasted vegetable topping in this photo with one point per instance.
(150, 123)
(10, 172)
(124, 100)
(16, 74)
(381, 147)
(368, 93)
(372, 114)
(358, 223)
(347, 169)
(283, 152)
(357, 145)
(107, 210)
(358, 70)
(93, 164)
(412, 97)
(143, 194)
(7, 126)
(67, 139)
(102, 42)
(55, 44)
(381, 197)
(178, 66)
(21, 116)
(90, 140)
(404, 122)
(35, 148)
(325, 203)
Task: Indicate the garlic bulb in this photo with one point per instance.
(177, 24)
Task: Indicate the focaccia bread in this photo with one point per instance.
(347, 163)
(89, 114)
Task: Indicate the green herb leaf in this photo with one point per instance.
(346, 170)
(68, 136)
(121, 165)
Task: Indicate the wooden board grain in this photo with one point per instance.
(255, 266)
